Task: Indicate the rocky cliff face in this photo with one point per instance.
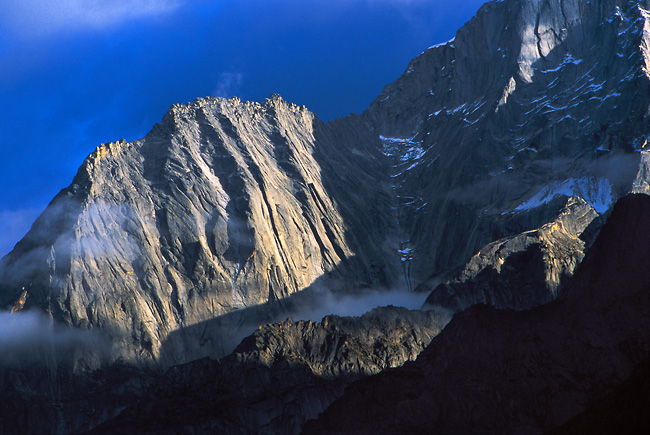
(223, 205)
(279, 377)
(497, 371)
(526, 270)
(532, 99)
(481, 175)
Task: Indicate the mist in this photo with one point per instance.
(356, 305)
(29, 336)
(314, 306)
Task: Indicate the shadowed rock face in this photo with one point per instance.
(484, 167)
(531, 99)
(223, 205)
(494, 371)
(624, 410)
(56, 399)
(523, 271)
(279, 377)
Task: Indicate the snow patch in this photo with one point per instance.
(595, 191)
(567, 60)
(406, 153)
(442, 44)
(397, 139)
(407, 254)
(406, 150)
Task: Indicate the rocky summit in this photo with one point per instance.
(480, 179)
(222, 206)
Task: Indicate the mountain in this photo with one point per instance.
(222, 206)
(482, 175)
(532, 99)
(228, 204)
(493, 371)
(279, 377)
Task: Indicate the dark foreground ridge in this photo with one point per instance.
(499, 371)
(279, 377)
(481, 176)
(624, 410)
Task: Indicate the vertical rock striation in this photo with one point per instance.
(223, 205)
(531, 100)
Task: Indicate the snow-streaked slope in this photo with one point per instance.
(597, 192)
(532, 100)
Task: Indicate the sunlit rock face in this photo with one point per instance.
(525, 270)
(531, 100)
(223, 205)
(481, 175)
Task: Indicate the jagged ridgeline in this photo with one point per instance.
(229, 204)
(223, 205)
(482, 175)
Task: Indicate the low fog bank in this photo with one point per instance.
(356, 305)
(232, 328)
(29, 336)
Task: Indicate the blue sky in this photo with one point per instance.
(76, 73)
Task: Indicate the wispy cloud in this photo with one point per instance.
(38, 18)
(228, 84)
(14, 224)
(32, 336)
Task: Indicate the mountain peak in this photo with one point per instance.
(481, 174)
(224, 205)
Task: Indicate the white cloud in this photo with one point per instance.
(33, 336)
(38, 18)
(228, 85)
